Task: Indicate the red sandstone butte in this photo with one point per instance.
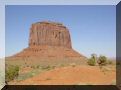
(49, 33)
(49, 40)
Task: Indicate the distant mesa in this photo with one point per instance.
(50, 34)
(49, 40)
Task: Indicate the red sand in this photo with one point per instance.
(78, 75)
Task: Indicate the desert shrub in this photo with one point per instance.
(102, 61)
(34, 67)
(11, 72)
(109, 62)
(92, 60)
(38, 66)
(46, 67)
(73, 64)
(62, 65)
(53, 67)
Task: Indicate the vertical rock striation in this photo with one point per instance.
(49, 33)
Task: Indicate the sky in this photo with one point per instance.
(92, 27)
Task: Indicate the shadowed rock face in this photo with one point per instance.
(49, 40)
(49, 33)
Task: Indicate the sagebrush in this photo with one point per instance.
(11, 73)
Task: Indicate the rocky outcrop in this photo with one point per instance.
(49, 33)
(49, 40)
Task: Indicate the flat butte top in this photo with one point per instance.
(51, 23)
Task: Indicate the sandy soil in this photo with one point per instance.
(74, 75)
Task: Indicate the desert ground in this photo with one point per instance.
(62, 72)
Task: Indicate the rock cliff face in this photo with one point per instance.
(49, 40)
(49, 33)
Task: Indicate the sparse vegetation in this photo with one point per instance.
(35, 70)
(62, 65)
(92, 60)
(29, 70)
(38, 66)
(46, 67)
(102, 61)
(11, 73)
(73, 64)
(109, 62)
(28, 75)
(35, 67)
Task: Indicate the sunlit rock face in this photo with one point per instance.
(49, 34)
(50, 40)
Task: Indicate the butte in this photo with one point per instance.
(49, 42)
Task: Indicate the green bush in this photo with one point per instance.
(102, 60)
(92, 60)
(11, 72)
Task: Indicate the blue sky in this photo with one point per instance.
(92, 28)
